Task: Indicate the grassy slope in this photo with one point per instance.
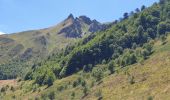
(152, 79)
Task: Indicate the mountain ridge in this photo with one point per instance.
(33, 45)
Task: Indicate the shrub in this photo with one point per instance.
(163, 39)
(150, 98)
(44, 97)
(98, 94)
(48, 78)
(72, 95)
(131, 79)
(85, 91)
(111, 67)
(98, 74)
(83, 83)
(104, 61)
(60, 88)
(51, 95)
(12, 89)
(3, 89)
(87, 68)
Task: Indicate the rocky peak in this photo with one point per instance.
(70, 17)
(85, 19)
(76, 27)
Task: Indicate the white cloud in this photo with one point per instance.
(2, 33)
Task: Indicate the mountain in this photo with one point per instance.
(127, 59)
(30, 47)
(78, 27)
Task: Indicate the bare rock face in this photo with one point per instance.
(16, 50)
(80, 26)
(95, 26)
(85, 20)
(27, 54)
(41, 40)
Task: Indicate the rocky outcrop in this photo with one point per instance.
(41, 40)
(85, 19)
(16, 50)
(80, 26)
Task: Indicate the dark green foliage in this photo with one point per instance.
(49, 78)
(98, 94)
(3, 89)
(45, 78)
(150, 98)
(162, 1)
(162, 28)
(148, 47)
(103, 61)
(87, 68)
(124, 43)
(143, 7)
(83, 83)
(98, 74)
(13, 69)
(56, 71)
(125, 15)
(12, 89)
(85, 91)
(137, 10)
(151, 33)
(72, 95)
(78, 82)
(60, 88)
(127, 58)
(111, 67)
(51, 95)
(163, 39)
(131, 79)
(28, 76)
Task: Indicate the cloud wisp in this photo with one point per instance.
(1, 33)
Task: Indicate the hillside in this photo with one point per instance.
(20, 51)
(127, 59)
(151, 82)
(126, 42)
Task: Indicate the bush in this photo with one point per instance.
(111, 67)
(85, 91)
(3, 89)
(46, 78)
(150, 98)
(51, 95)
(28, 76)
(98, 75)
(50, 78)
(12, 89)
(72, 95)
(131, 79)
(163, 39)
(104, 61)
(44, 97)
(60, 88)
(98, 94)
(87, 68)
(83, 83)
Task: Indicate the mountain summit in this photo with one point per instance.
(79, 26)
(30, 46)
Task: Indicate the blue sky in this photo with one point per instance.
(21, 15)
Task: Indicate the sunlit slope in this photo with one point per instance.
(151, 80)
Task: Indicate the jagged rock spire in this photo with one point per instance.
(70, 16)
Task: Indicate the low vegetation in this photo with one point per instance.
(129, 60)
